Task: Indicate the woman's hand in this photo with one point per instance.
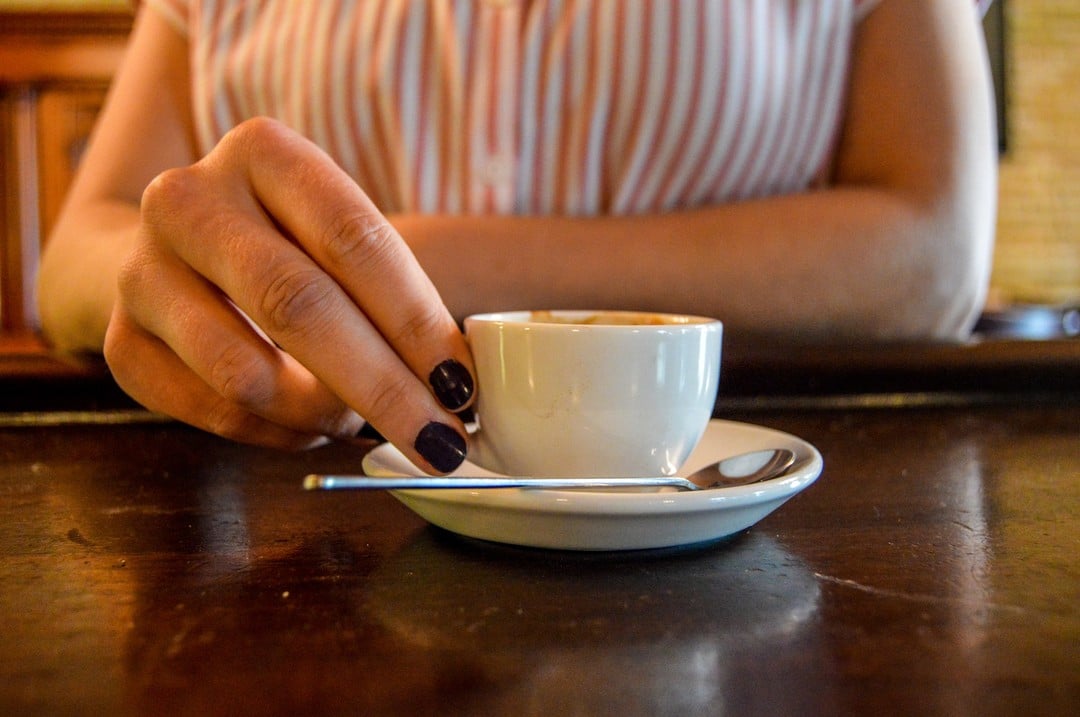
(267, 300)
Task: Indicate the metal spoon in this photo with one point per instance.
(742, 469)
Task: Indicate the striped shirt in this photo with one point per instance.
(578, 107)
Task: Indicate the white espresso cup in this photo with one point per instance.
(591, 393)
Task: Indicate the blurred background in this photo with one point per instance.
(1037, 258)
(56, 57)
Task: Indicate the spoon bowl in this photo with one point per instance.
(742, 469)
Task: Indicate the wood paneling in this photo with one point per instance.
(54, 72)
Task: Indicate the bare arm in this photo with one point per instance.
(145, 128)
(898, 247)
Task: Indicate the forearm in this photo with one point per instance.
(849, 261)
(76, 285)
(143, 129)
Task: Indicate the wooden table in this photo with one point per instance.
(146, 568)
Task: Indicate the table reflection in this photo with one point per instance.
(152, 569)
(669, 617)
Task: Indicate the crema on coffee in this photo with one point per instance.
(612, 318)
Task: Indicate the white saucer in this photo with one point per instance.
(608, 519)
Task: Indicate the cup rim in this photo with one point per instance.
(524, 317)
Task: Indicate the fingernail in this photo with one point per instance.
(441, 446)
(452, 384)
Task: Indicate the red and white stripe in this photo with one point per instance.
(535, 106)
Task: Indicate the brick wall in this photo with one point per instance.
(1037, 257)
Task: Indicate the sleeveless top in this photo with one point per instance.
(578, 107)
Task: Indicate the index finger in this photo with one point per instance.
(338, 225)
(371, 327)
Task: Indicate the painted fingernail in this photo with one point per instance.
(452, 384)
(441, 446)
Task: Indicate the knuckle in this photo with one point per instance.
(168, 192)
(259, 128)
(296, 299)
(250, 133)
(419, 327)
(239, 375)
(385, 397)
(179, 206)
(226, 419)
(360, 239)
(134, 274)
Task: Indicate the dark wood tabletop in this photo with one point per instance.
(147, 568)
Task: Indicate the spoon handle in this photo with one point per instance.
(357, 482)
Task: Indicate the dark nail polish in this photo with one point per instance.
(452, 384)
(441, 446)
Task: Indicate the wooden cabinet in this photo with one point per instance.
(55, 68)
